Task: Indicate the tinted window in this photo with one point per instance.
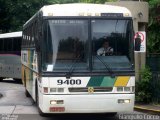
(65, 45)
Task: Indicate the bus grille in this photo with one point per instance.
(96, 89)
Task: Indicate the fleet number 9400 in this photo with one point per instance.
(69, 82)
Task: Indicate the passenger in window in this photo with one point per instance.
(105, 49)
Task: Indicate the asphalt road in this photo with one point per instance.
(14, 105)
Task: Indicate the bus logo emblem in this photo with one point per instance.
(90, 89)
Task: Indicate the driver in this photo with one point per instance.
(105, 49)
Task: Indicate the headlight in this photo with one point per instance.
(119, 89)
(54, 102)
(45, 89)
(60, 89)
(124, 101)
(56, 90)
(127, 89)
(127, 101)
(120, 101)
(52, 89)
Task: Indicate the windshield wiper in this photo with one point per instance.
(70, 71)
(106, 66)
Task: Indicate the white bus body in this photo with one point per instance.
(10, 60)
(60, 68)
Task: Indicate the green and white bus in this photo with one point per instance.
(61, 70)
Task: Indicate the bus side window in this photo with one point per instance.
(8, 44)
(1, 45)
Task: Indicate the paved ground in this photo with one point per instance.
(14, 100)
(14, 105)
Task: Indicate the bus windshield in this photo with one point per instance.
(65, 45)
(112, 42)
(74, 43)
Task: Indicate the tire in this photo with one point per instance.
(27, 93)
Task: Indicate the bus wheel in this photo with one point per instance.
(37, 101)
(27, 93)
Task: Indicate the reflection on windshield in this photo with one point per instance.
(112, 43)
(66, 42)
(113, 62)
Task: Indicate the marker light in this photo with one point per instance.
(52, 89)
(126, 14)
(97, 14)
(119, 89)
(127, 89)
(54, 102)
(89, 14)
(45, 89)
(50, 14)
(127, 101)
(57, 109)
(60, 89)
(124, 101)
(120, 101)
(81, 14)
(56, 90)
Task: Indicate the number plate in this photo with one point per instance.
(69, 82)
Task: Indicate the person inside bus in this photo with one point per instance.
(105, 50)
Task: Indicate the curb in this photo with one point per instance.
(143, 109)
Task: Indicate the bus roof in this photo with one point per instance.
(11, 35)
(80, 9)
(85, 9)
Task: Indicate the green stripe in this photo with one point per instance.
(108, 82)
(95, 81)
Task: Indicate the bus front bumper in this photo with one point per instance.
(89, 103)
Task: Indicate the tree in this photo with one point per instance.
(22, 10)
(14, 13)
(154, 27)
(63, 1)
(97, 1)
(4, 16)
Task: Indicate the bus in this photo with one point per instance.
(61, 70)
(10, 51)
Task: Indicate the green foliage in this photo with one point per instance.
(63, 1)
(4, 16)
(97, 1)
(153, 27)
(77, 1)
(143, 89)
(14, 13)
